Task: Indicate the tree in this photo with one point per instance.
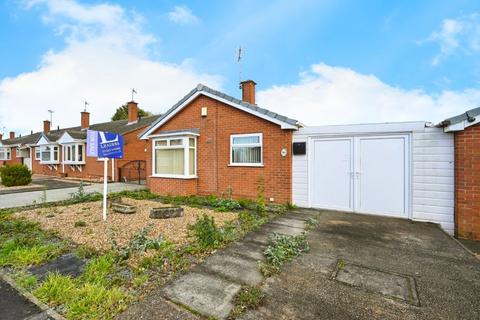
(122, 113)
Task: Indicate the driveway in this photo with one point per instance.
(39, 184)
(367, 267)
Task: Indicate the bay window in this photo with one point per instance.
(49, 154)
(174, 157)
(38, 154)
(246, 149)
(74, 153)
(5, 154)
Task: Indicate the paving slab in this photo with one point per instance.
(389, 284)
(67, 265)
(208, 294)
(250, 250)
(235, 268)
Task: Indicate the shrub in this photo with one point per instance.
(16, 175)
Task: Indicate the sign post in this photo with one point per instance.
(104, 145)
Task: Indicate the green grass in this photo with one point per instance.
(26, 280)
(98, 270)
(247, 298)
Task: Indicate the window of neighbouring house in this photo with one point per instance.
(246, 149)
(38, 154)
(74, 153)
(5, 154)
(174, 157)
(49, 154)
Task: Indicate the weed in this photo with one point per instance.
(98, 270)
(208, 235)
(311, 223)
(140, 280)
(80, 223)
(250, 220)
(260, 201)
(15, 254)
(282, 248)
(56, 289)
(26, 280)
(85, 252)
(247, 298)
(290, 206)
(139, 243)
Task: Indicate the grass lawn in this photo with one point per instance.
(127, 256)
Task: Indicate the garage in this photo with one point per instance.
(402, 170)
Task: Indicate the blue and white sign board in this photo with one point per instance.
(104, 144)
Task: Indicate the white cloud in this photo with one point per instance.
(106, 54)
(327, 95)
(182, 15)
(457, 35)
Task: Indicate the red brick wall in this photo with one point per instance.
(134, 149)
(213, 153)
(467, 183)
(13, 158)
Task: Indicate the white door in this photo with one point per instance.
(28, 162)
(381, 175)
(367, 174)
(331, 174)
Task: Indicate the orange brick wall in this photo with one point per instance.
(13, 158)
(213, 153)
(467, 183)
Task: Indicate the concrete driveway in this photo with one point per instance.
(366, 267)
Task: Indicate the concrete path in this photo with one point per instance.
(209, 288)
(28, 198)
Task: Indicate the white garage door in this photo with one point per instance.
(361, 174)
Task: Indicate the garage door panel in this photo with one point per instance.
(381, 163)
(332, 167)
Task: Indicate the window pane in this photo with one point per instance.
(246, 140)
(161, 143)
(169, 161)
(79, 152)
(191, 161)
(247, 155)
(46, 153)
(191, 142)
(55, 153)
(176, 142)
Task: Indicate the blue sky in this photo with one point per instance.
(385, 54)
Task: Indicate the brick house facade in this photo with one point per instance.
(210, 118)
(466, 129)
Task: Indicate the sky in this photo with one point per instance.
(320, 62)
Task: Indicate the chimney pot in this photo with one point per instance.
(248, 91)
(1, 136)
(85, 121)
(132, 111)
(46, 126)
(12, 134)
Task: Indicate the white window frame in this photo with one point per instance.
(7, 153)
(17, 152)
(38, 153)
(74, 149)
(186, 154)
(52, 152)
(260, 144)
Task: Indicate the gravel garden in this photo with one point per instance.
(85, 268)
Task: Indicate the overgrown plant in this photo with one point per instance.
(207, 234)
(260, 201)
(247, 298)
(282, 248)
(139, 243)
(15, 175)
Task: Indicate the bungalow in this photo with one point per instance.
(61, 152)
(211, 143)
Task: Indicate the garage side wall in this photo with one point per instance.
(433, 177)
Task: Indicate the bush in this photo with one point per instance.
(206, 232)
(16, 175)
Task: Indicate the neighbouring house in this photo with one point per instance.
(466, 129)
(211, 143)
(62, 152)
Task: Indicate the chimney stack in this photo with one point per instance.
(12, 135)
(46, 126)
(1, 136)
(85, 120)
(132, 112)
(248, 91)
